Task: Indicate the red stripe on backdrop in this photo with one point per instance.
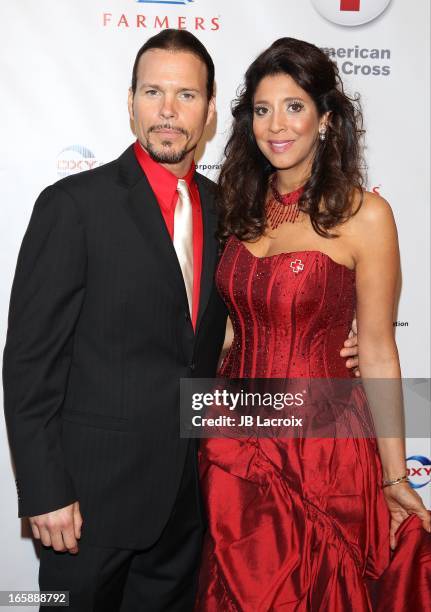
(350, 5)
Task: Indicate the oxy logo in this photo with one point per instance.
(350, 12)
(75, 158)
(164, 1)
(419, 471)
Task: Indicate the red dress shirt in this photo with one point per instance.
(164, 185)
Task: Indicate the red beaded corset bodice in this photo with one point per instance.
(291, 313)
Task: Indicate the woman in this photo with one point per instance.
(307, 524)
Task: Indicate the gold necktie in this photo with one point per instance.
(183, 238)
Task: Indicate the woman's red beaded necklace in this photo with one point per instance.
(282, 207)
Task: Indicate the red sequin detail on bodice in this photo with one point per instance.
(291, 313)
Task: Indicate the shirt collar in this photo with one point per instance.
(162, 181)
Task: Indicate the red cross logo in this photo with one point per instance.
(297, 266)
(350, 5)
(350, 12)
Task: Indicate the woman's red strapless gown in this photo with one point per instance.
(299, 524)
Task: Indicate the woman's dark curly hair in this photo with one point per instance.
(336, 169)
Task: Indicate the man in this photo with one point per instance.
(113, 302)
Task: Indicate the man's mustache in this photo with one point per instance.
(167, 126)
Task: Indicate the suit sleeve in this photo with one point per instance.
(47, 296)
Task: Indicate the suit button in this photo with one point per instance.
(192, 367)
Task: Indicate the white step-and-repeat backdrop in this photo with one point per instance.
(66, 68)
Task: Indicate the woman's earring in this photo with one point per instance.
(322, 133)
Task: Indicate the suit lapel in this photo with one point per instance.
(144, 210)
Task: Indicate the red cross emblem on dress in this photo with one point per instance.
(297, 266)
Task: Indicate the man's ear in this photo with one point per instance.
(211, 110)
(130, 104)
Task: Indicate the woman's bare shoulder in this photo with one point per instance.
(371, 212)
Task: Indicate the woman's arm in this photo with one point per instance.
(377, 274)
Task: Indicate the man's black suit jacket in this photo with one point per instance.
(99, 336)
